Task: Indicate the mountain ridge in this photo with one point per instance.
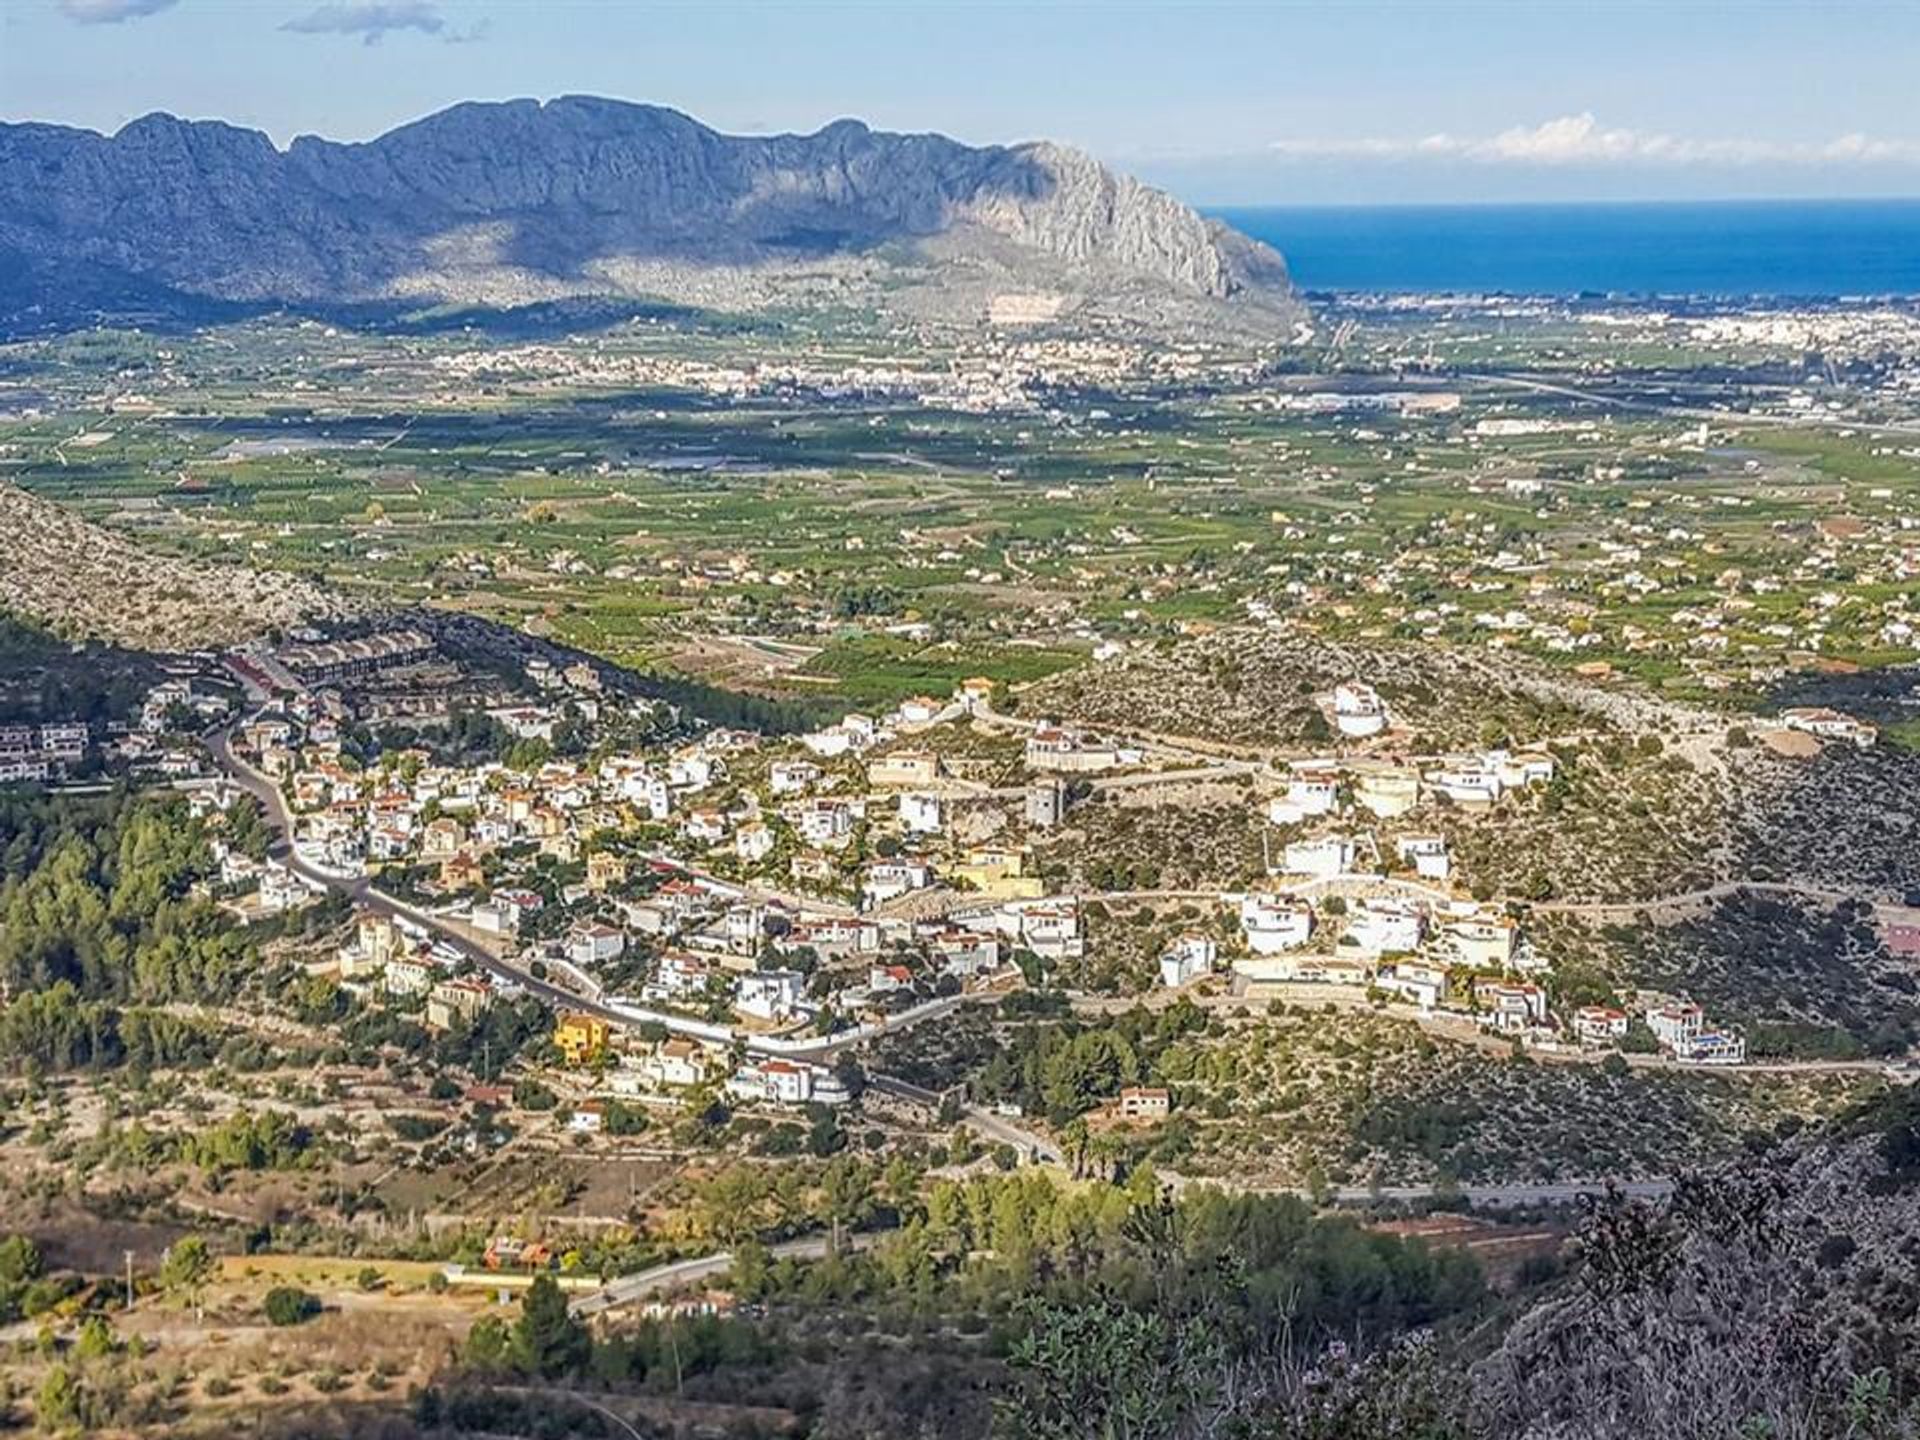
(523, 200)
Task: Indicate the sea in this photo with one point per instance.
(1802, 249)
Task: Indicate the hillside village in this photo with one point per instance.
(790, 896)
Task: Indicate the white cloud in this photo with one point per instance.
(1582, 140)
(111, 12)
(373, 19)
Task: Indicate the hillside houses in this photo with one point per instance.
(853, 875)
(1068, 751)
(1830, 725)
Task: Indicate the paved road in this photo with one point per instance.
(1485, 1196)
(997, 1128)
(665, 1278)
(1143, 779)
(1718, 891)
(1730, 418)
(678, 1274)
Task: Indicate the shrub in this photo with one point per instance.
(289, 1305)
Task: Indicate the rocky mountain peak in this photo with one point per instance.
(503, 203)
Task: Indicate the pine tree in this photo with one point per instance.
(546, 1339)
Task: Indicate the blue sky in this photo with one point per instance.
(1419, 100)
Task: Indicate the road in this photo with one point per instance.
(1602, 909)
(679, 1273)
(997, 1128)
(1500, 1197)
(1731, 418)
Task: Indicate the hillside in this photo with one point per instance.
(84, 581)
(515, 203)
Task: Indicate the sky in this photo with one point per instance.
(1361, 101)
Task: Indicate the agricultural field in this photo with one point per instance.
(844, 517)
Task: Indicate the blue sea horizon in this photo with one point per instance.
(1810, 249)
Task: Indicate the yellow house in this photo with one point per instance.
(905, 767)
(581, 1038)
(604, 871)
(1388, 792)
(998, 871)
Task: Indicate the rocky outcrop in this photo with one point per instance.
(84, 581)
(527, 201)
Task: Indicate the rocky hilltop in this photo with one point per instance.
(86, 582)
(502, 204)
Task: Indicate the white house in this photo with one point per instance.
(1053, 748)
(826, 823)
(1829, 724)
(1383, 926)
(408, 975)
(792, 777)
(744, 928)
(1466, 786)
(965, 953)
(920, 813)
(678, 977)
(1675, 1025)
(1682, 1029)
(828, 744)
(781, 1082)
(655, 796)
(889, 879)
(1425, 985)
(920, 710)
(1309, 793)
(1516, 772)
(1273, 923)
(1427, 854)
(1358, 710)
(690, 770)
(1482, 942)
(1190, 957)
(677, 1064)
(769, 994)
(753, 843)
(1508, 1006)
(1599, 1025)
(592, 943)
(1052, 932)
(494, 918)
(282, 888)
(1321, 859)
(885, 979)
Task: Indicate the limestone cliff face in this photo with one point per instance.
(525, 200)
